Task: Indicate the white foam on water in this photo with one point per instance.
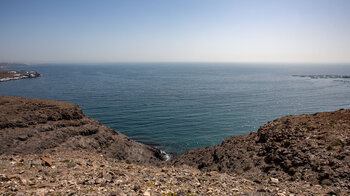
(165, 155)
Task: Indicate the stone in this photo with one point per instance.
(99, 181)
(22, 137)
(46, 161)
(147, 192)
(274, 180)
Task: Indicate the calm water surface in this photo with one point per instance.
(178, 107)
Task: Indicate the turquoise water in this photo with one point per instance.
(178, 107)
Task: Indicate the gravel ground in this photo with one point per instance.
(86, 173)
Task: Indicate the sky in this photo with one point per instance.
(89, 31)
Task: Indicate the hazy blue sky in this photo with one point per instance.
(44, 31)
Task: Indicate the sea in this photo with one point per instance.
(178, 107)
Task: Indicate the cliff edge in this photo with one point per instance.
(32, 126)
(314, 148)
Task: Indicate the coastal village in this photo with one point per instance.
(7, 75)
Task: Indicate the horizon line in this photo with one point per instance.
(178, 62)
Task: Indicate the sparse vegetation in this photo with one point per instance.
(71, 164)
(246, 166)
(149, 184)
(336, 142)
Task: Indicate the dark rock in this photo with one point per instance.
(23, 137)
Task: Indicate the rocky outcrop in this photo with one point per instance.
(31, 126)
(314, 148)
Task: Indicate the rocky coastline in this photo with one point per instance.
(51, 147)
(32, 126)
(311, 148)
(7, 75)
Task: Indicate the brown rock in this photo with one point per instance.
(274, 180)
(38, 125)
(99, 181)
(46, 161)
(310, 147)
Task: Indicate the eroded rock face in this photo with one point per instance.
(314, 148)
(30, 126)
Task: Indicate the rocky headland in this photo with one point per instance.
(51, 147)
(31, 126)
(7, 75)
(312, 148)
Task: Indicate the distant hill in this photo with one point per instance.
(3, 64)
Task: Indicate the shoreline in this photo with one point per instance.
(8, 75)
(291, 155)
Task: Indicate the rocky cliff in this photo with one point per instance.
(30, 126)
(50, 147)
(314, 148)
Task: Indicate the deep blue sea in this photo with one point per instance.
(181, 106)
